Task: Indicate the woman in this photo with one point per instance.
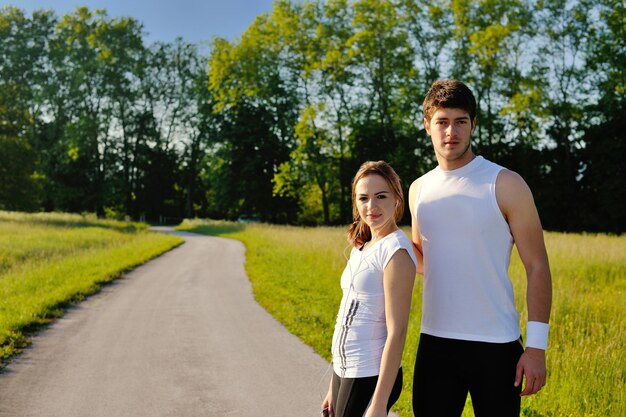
(377, 284)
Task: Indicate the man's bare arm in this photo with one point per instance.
(517, 205)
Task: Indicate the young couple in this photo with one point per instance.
(466, 215)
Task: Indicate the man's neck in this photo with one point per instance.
(449, 165)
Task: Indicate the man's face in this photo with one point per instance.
(450, 130)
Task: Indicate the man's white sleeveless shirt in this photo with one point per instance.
(361, 328)
(467, 245)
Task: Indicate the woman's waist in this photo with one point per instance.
(359, 332)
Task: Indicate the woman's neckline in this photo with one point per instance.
(367, 246)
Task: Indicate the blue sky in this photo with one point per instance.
(194, 20)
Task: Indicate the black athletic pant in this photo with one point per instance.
(351, 396)
(447, 369)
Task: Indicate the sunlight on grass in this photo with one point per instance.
(50, 260)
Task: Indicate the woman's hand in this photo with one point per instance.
(376, 411)
(327, 404)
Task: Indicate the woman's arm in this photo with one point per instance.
(328, 401)
(398, 280)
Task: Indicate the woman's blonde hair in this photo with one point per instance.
(359, 232)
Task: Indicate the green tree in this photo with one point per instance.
(316, 154)
(491, 37)
(311, 163)
(24, 66)
(430, 26)
(281, 118)
(172, 124)
(203, 133)
(18, 177)
(602, 165)
(93, 57)
(337, 80)
(562, 35)
(122, 72)
(257, 99)
(387, 89)
(23, 72)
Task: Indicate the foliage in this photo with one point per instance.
(18, 178)
(289, 110)
(295, 272)
(112, 123)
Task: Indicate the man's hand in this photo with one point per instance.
(532, 364)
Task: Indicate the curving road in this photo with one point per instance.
(180, 336)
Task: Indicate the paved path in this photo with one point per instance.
(180, 336)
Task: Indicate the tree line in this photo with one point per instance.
(273, 125)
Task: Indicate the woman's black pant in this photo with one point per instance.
(351, 396)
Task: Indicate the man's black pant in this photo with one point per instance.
(447, 369)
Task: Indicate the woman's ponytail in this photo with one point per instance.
(359, 233)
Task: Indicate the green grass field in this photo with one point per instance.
(295, 275)
(48, 261)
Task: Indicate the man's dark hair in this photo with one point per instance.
(451, 94)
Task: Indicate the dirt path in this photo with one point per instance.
(180, 336)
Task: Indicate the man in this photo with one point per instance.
(466, 215)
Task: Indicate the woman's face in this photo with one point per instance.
(376, 203)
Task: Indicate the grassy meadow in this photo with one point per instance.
(49, 260)
(295, 273)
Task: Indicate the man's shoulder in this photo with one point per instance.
(507, 178)
(416, 184)
(421, 178)
(490, 164)
(511, 191)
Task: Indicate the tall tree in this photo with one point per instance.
(94, 58)
(490, 43)
(258, 101)
(18, 182)
(605, 196)
(202, 134)
(123, 43)
(563, 37)
(279, 121)
(315, 155)
(388, 85)
(24, 70)
(174, 92)
(337, 81)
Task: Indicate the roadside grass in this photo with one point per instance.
(50, 260)
(295, 272)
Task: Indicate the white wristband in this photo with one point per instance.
(537, 334)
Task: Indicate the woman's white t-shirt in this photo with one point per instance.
(361, 330)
